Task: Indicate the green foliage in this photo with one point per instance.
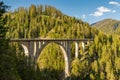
(3, 29)
(8, 70)
(107, 48)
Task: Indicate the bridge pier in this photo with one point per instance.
(30, 48)
(76, 49)
(67, 57)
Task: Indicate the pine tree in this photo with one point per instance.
(7, 57)
(3, 29)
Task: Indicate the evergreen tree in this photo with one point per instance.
(7, 56)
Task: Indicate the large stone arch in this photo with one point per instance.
(65, 54)
(64, 45)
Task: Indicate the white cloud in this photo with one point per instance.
(101, 10)
(113, 11)
(114, 3)
(83, 16)
(97, 14)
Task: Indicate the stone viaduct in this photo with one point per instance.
(33, 48)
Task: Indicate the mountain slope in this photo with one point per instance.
(45, 21)
(107, 25)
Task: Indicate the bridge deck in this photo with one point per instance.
(18, 40)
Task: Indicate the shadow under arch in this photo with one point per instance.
(65, 54)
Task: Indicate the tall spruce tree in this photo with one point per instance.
(8, 69)
(3, 29)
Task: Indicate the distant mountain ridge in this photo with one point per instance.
(107, 25)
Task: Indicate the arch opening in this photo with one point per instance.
(26, 52)
(53, 57)
(75, 50)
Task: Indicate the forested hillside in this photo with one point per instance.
(109, 26)
(99, 61)
(45, 21)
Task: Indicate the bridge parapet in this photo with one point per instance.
(77, 40)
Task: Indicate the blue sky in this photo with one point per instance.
(88, 10)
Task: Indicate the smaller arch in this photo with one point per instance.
(83, 45)
(25, 49)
